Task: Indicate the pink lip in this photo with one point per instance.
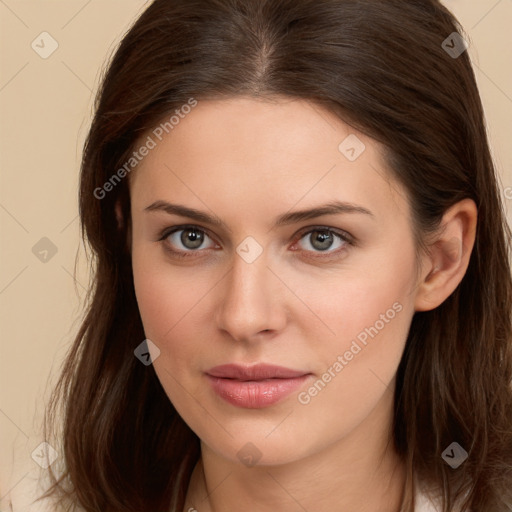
(254, 387)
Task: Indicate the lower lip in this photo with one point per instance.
(255, 394)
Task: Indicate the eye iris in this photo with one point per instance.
(191, 238)
(324, 238)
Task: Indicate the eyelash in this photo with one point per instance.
(343, 236)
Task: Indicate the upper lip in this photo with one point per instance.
(254, 372)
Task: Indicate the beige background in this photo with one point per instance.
(45, 107)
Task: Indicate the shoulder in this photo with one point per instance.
(425, 503)
(427, 500)
(25, 496)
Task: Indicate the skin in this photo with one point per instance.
(248, 161)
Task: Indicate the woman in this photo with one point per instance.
(302, 289)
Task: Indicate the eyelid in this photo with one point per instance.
(165, 233)
(343, 235)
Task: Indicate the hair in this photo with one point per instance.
(381, 67)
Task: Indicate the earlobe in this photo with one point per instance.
(448, 256)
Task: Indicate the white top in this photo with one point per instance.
(21, 498)
(423, 504)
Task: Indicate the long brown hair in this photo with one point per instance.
(383, 67)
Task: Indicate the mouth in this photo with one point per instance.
(254, 387)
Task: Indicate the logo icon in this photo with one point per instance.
(249, 455)
(44, 45)
(249, 250)
(147, 352)
(44, 250)
(44, 455)
(455, 45)
(454, 455)
(352, 147)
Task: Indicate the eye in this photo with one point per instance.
(186, 239)
(183, 241)
(324, 240)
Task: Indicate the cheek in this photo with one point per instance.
(355, 369)
(369, 310)
(169, 302)
(161, 295)
(169, 305)
(364, 294)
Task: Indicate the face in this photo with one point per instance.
(328, 294)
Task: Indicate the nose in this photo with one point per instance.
(251, 300)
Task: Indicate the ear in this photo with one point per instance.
(121, 221)
(119, 214)
(448, 255)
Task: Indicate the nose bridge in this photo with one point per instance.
(249, 303)
(249, 279)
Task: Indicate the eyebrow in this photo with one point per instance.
(332, 208)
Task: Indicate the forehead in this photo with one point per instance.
(283, 151)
